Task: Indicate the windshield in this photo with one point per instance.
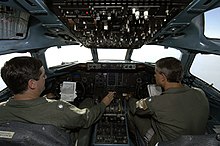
(112, 54)
(211, 27)
(75, 53)
(151, 53)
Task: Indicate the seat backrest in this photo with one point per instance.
(194, 140)
(26, 134)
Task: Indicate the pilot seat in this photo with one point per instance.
(28, 134)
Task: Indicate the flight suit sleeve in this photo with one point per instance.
(81, 118)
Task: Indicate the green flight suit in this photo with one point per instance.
(56, 112)
(177, 111)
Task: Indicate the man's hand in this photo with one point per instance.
(108, 98)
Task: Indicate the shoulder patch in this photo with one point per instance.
(6, 134)
(141, 104)
(60, 106)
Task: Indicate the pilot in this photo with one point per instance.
(179, 110)
(25, 77)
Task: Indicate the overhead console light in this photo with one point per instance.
(13, 23)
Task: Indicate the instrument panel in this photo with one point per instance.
(96, 79)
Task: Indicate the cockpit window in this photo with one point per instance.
(206, 68)
(67, 54)
(212, 23)
(151, 53)
(112, 54)
(5, 58)
(77, 54)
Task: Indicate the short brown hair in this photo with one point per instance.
(18, 71)
(171, 68)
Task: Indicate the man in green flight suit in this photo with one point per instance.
(25, 77)
(179, 110)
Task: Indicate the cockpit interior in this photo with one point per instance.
(34, 27)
